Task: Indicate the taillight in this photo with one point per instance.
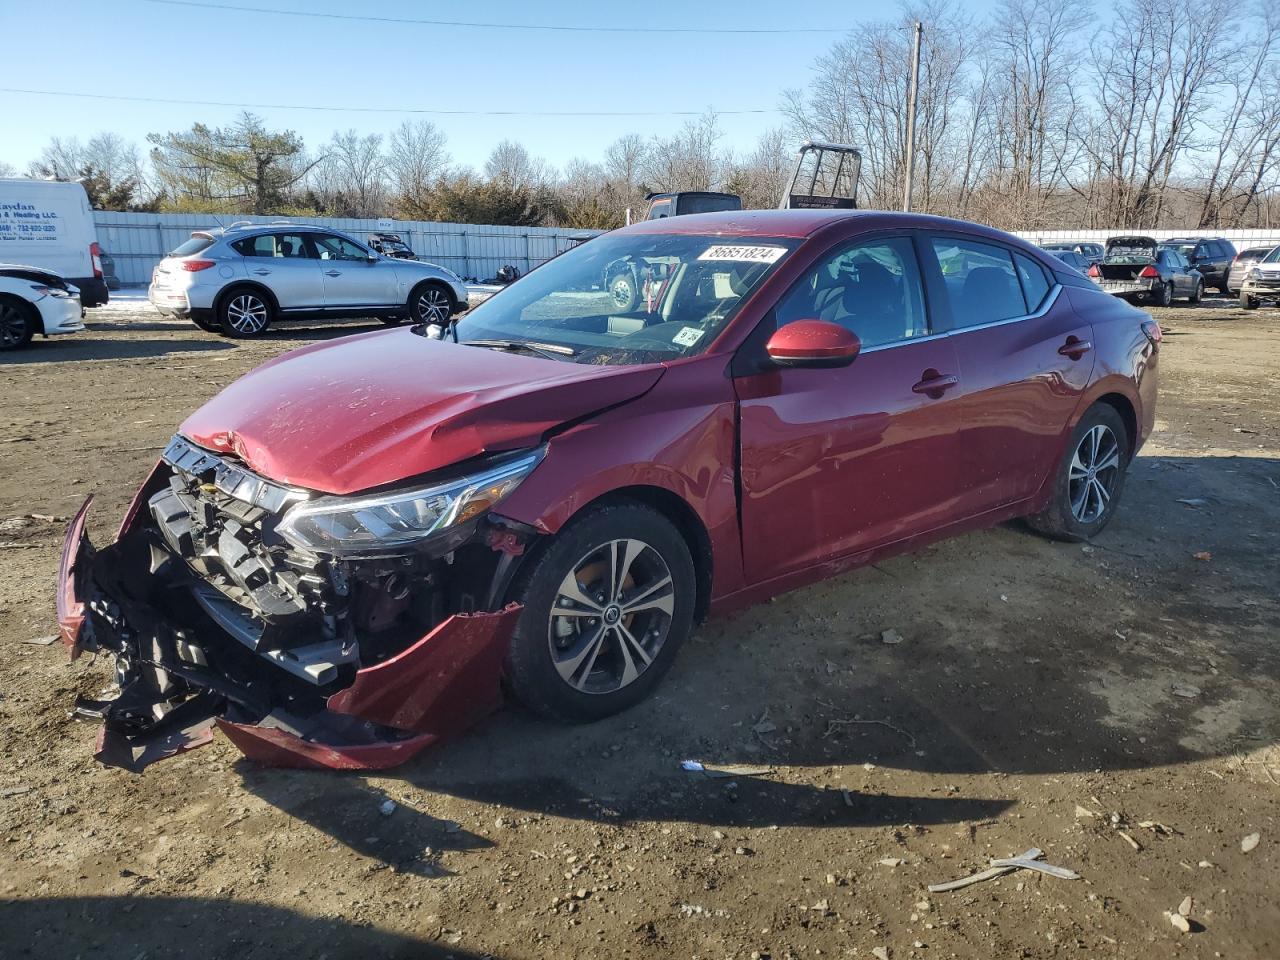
(192, 266)
(1149, 272)
(95, 254)
(1151, 330)
(1094, 272)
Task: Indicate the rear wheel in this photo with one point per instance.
(1197, 293)
(1089, 479)
(1164, 296)
(1248, 302)
(244, 314)
(17, 323)
(606, 606)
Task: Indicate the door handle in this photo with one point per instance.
(262, 273)
(1075, 348)
(935, 384)
(333, 273)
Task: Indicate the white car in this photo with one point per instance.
(35, 301)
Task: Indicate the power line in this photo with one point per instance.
(410, 110)
(317, 14)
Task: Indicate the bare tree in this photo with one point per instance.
(761, 176)
(511, 164)
(351, 180)
(688, 160)
(417, 156)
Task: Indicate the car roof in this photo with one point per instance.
(799, 224)
(235, 229)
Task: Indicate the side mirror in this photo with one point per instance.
(813, 343)
(372, 257)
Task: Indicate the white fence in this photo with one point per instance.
(1241, 238)
(137, 241)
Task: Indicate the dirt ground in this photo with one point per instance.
(1116, 704)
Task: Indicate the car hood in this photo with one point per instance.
(365, 411)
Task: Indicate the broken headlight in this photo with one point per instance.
(379, 524)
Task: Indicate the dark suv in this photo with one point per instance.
(1212, 256)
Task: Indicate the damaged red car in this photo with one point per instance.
(355, 549)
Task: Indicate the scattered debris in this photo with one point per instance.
(1157, 827)
(847, 797)
(1132, 842)
(880, 953)
(1000, 867)
(15, 791)
(47, 518)
(1084, 812)
(1184, 908)
(1187, 691)
(1204, 555)
(764, 724)
(1193, 501)
(1249, 842)
(890, 637)
(892, 862)
(724, 771)
(1179, 921)
(42, 641)
(388, 808)
(834, 725)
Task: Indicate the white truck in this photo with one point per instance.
(49, 225)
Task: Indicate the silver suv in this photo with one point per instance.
(239, 280)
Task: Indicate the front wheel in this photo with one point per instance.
(607, 604)
(430, 303)
(1089, 479)
(17, 325)
(244, 314)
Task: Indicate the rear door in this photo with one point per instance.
(283, 262)
(1024, 361)
(836, 461)
(351, 279)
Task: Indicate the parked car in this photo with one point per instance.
(35, 301)
(1072, 259)
(1139, 268)
(1212, 256)
(391, 245)
(346, 554)
(109, 270)
(49, 225)
(1262, 282)
(1091, 252)
(1242, 264)
(663, 205)
(241, 279)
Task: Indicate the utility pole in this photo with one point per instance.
(912, 97)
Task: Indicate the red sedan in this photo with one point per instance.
(353, 550)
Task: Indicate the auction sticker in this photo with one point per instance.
(743, 254)
(687, 336)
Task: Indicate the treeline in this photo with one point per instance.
(1147, 113)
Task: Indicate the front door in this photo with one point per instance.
(835, 461)
(351, 279)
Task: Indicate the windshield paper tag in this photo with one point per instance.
(687, 336)
(743, 254)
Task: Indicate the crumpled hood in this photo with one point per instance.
(360, 412)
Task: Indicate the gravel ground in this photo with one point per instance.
(1113, 704)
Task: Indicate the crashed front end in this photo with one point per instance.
(315, 631)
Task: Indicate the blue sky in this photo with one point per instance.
(199, 52)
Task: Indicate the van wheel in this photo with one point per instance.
(607, 604)
(17, 324)
(1089, 479)
(244, 313)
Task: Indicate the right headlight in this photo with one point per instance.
(1255, 274)
(385, 523)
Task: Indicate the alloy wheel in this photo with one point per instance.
(433, 305)
(1095, 467)
(247, 314)
(611, 615)
(13, 326)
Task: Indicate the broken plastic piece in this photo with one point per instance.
(999, 867)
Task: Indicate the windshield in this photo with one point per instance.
(1273, 256)
(628, 298)
(1186, 249)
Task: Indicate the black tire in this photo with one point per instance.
(1199, 292)
(589, 694)
(1248, 302)
(245, 313)
(208, 326)
(18, 322)
(1165, 297)
(392, 321)
(623, 292)
(431, 302)
(1061, 520)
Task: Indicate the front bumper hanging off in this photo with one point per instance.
(180, 676)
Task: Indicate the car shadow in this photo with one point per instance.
(82, 347)
(134, 926)
(1009, 654)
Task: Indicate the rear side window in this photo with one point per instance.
(272, 245)
(195, 244)
(1035, 285)
(660, 210)
(981, 284)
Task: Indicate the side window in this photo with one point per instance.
(337, 248)
(981, 284)
(660, 210)
(872, 288)
(1035, 285)
(272, 245)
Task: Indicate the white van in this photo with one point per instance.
(50, 225)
